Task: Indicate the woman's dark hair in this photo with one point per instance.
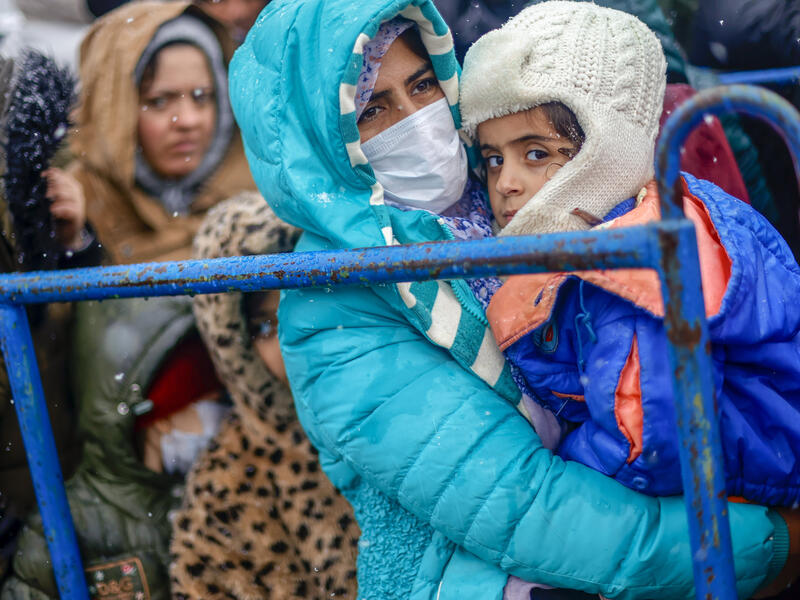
(564, 122)
(411, 37)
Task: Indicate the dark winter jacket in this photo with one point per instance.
(680, 15)
(51, 335)
(119, 507)
(469, 20)
(746, 34)
(740, 35)
(592, 348)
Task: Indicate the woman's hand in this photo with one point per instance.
(68, 207)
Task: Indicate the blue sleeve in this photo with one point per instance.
(403, 415)
(630, 433)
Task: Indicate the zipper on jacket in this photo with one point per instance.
(470, 303)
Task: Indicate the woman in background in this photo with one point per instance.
(155, 143)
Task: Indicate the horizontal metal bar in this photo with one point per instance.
(782, 75)
(616, 248)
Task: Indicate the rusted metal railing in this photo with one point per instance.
(669, 247)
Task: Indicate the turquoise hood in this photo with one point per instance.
(293, 96)
(298, 98)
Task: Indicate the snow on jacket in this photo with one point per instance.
(592, 347)
(133, 225)
(450, 485)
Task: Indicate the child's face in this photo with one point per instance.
(522, 152)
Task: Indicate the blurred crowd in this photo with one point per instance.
(188, 472)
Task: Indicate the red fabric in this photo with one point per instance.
(704, 144)
(187, 375)
(628, 402)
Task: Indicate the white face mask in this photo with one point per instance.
(420, 161)
(180, 448)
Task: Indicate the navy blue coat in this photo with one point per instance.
(746, 34)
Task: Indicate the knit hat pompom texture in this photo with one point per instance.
(607, 67)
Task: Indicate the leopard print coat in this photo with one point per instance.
(259, 518)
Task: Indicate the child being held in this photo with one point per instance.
(564, 102)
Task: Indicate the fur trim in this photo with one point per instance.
(40, 96)
(244, 225)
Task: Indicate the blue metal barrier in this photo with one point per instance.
(780, 76)
(700, 452)
(668, 246)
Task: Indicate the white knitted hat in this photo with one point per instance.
(607, 67)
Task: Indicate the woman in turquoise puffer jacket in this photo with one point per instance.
(402, 388)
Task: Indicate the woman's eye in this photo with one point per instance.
(369, 114)
(536, 154)
(202, 96)
(494, 161)
(156, 103)
(426, 85)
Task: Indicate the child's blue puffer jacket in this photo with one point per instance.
(594, 350)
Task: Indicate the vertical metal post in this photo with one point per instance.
(702, 464)
(37, 435)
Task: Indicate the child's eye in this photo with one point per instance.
(537, 154)
(155, 103)
(494, 161)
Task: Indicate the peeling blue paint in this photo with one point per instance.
(669, 247)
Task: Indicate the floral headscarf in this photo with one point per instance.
(374, 51)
